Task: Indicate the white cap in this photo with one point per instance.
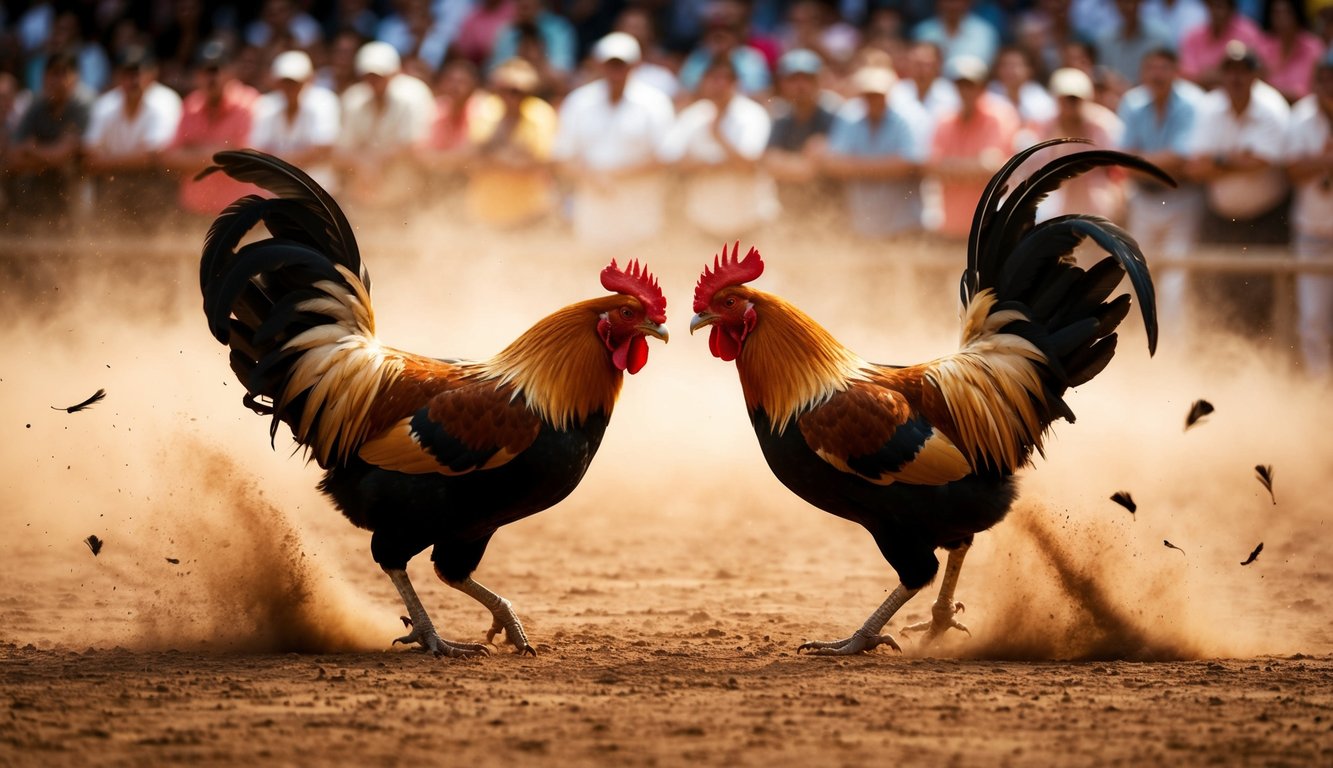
(292, 65)
(1068, 81)
(966, 67)
(874, 79)
(617, 45)
(377, 58)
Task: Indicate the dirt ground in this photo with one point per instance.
(232, 616)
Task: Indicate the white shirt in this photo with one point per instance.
(405, 120)
(114, 133)
(318, 115)
(941, 97)
(724, 203)
(602, 136)
(1309, 134)
(1261, 130)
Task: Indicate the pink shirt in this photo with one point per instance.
(1200, 51)
(476, 35)
(226, 128)
(990, 130)
(1291, 74)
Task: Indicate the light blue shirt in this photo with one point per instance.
(1145, 133)
(975, 37)
(880, 208)
(558, 38)
(751, 69)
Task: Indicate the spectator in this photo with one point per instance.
(47, 144)
(610, 133)
(800, 133)
(511, 130)
(67, 37)
(1237, 157)
(725, 35)
(386, 120)
(339, 70)
(298, 120)
(1177, 16)
(217, 115)
(282, 25)
(477, 33)
(456, 98)
(1121, 48)
(1045, 31)
(1203, 48)
(716, 144)
(1159, 118)
(1099, 191)
(636, 22)
(358, 16)
(814, 25)
(1015, 84)
(558, 42)
(956, 31)
(1310, 166)
(131, 125)
(969, 146)
(925, 88)
(186, 31)
(876, 152)
(1288, 50)
(421, 38)
(12, 105)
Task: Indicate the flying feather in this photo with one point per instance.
(94, 543)
(1169, 545)
(96, 398)
(1125, 500)
(1200, 409)
(1265, 474)
(1254, 555)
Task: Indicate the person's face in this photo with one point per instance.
(616, 72)
(290, 88)
(1220, 11)
(58, 83)
(800, 87)
(211, 78)
(1236, 81)
(1157, 73)
(133, 80)
(717, 84)
(1070, 108)
(456, 83)
(876, 104)
(969, 91)
(1012, 69)
(378, 83)
(925, 63)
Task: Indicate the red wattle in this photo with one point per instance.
(638, 354)
(723, 345)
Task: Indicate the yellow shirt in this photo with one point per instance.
(504, 196)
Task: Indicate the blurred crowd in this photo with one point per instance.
(620, 119)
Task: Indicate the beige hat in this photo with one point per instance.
(517, 74)
(377, 58)
(292, 65)
(1071, 82)
(617, 45)
(874, 79)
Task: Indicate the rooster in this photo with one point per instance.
(924, 456)
(419, 451)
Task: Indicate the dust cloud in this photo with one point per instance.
(171, 465)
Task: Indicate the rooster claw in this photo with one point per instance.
(507, 622)
(857, 643)
(430, 640)
(942, 620)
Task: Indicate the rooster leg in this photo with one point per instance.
(942, 612)
(423, 631)
(868, 636)
(504, 618)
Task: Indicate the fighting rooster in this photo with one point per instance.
(422, 452)
(923, 456)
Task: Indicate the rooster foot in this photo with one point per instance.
(941, 621)
(859, 642)
(430, 640)
(506, 621)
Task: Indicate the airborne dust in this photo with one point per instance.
(171, 467)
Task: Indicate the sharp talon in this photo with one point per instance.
(959, 607)
(406, 621)
(528, 651)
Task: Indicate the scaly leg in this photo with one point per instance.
(942, 612)
(423, 631)
(868, 636)
(503, 613)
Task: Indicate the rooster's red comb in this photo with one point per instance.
(638, 282)
(726, 272)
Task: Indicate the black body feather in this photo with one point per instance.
(1265, 474)
(1254, 555)
(91, 401)
(1198, 410)
(1125, 500)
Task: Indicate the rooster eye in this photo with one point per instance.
(626, 313)
(731, 302)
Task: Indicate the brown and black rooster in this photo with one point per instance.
(422, 452)
(923, 456)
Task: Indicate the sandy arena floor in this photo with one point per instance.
(233, 616)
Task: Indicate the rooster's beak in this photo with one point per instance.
(700, 320)
(657, 330)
